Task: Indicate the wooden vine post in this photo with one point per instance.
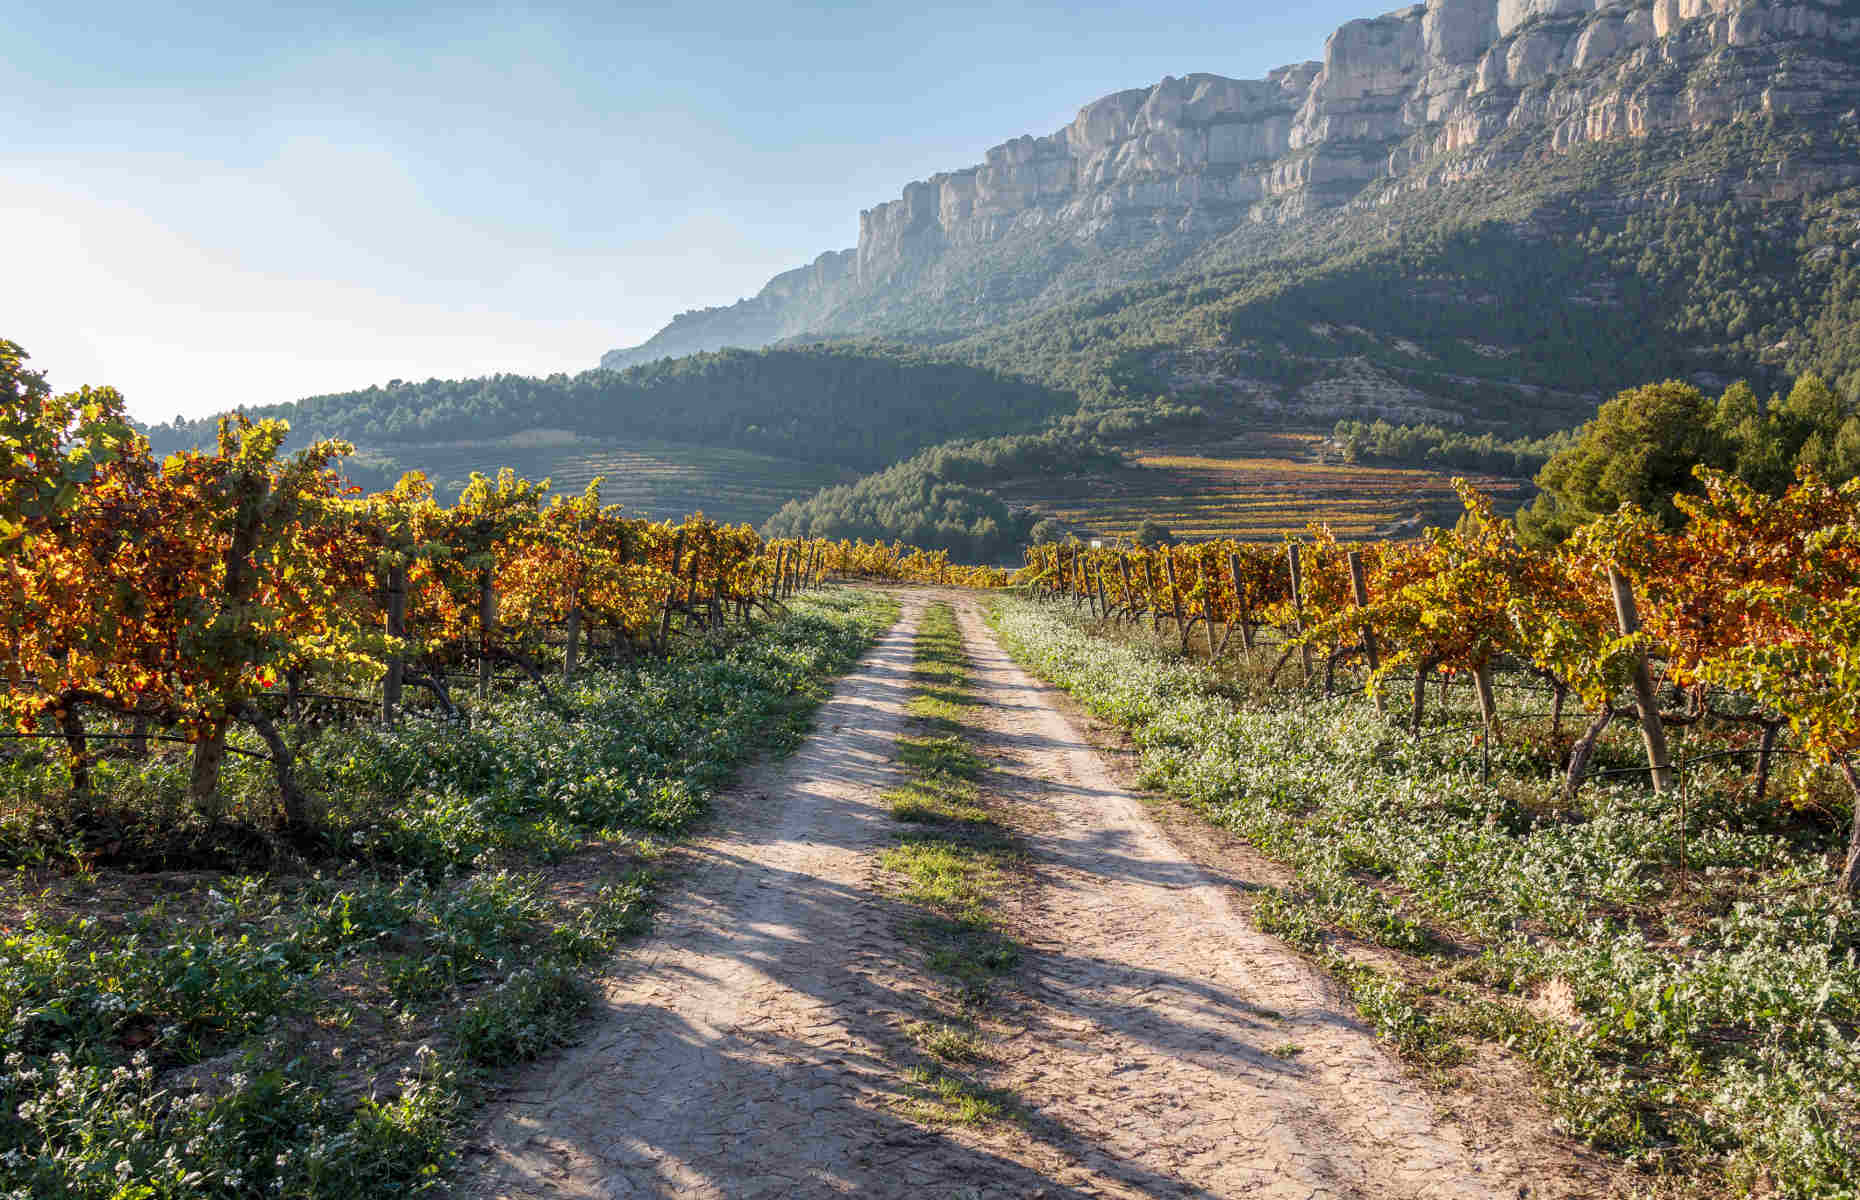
(1207, 603)
(691, 585)
(1104, 601)
(572, 650)
(1175, 598)
(396, 606)
(1359, 591)
(713, 598)
(241, 581)
(718, 596)
(487, 622)
(1488, 703)
(1149, 573)
(571, 654)
(1240, 612)
(1123, 567)
(1296, 553)
(671, 593)
(1627, 616)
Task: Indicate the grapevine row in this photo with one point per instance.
(1749, 613)
(183, 598)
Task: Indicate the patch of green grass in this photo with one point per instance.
(941, 765)
(928, 801)
(1284, 917)
(1400, 1015)
(973, 956)
(954, 876)
(1287, 1050)
(948, 1042)
(531, 1011)
(950, 756)
(586, 933)
(939, 659)
(951, 1100)
(941, 708)
(941, 787)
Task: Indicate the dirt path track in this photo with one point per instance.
(751, 1046)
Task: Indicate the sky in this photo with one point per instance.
(212, 205)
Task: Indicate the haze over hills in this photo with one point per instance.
(1486, 215)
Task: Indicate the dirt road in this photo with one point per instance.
(1156, 1044)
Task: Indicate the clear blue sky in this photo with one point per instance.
(214, 204)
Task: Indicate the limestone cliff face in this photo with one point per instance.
(1409, 99)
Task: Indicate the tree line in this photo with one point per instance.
(855, 406)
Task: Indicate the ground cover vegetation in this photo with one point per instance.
(1648, 900)
(952, 864)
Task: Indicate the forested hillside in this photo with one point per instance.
(941, 498)
(1516, 309)
(849, 406)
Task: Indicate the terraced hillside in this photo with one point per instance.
(1254, 487)
(654, 479)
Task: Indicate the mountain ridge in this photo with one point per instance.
(1426, 96)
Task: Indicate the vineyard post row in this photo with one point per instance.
(180, 595)
(1748, 614)
(210, 591)
(1084, 583)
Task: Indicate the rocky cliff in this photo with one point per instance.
(1426, 96)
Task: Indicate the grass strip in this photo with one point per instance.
(951, 865)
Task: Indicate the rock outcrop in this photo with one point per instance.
(1400, 102)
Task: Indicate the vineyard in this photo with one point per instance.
(1262, 487)
(657, 479)
(189, 599)
(1745, 618)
